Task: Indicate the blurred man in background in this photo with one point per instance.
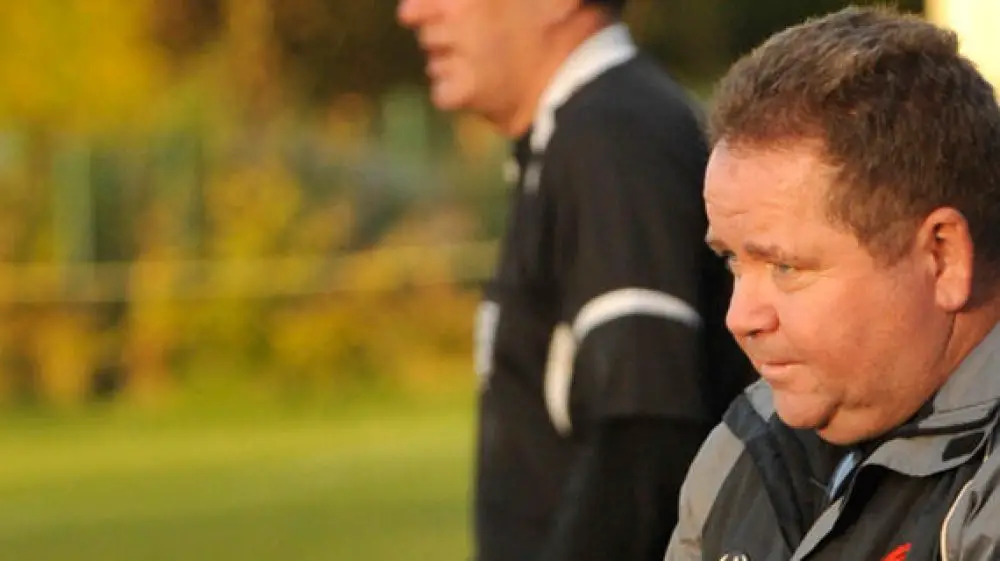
(602, 356)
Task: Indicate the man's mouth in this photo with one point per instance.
(436, 58)
(775, 370)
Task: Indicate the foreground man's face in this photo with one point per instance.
(845, 342)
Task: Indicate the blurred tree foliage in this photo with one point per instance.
(749, 23)
(697, 39)
(75, 64)
(324, 48)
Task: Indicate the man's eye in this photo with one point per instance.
(730, 259)
(783, 268)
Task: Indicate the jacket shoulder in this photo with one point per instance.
(709, 471)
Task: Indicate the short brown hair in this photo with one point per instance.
(910, 124)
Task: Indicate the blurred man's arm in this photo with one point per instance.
(638, 409)
(621, 499)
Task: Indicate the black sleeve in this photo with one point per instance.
(625, 491)
(633, 233)
(635, 227)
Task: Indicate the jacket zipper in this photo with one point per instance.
(947, 521)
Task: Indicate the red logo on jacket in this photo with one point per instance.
(898, 554)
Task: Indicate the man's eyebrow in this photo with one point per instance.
(766, 252)
(763, 252)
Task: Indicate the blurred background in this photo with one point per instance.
(239, 259)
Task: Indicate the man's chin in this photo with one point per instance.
(809, 421)
(835, 429)
(849, 429)
(835, 437)
(801, 414)
(445, 98)
(830, 420)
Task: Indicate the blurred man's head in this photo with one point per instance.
(854, 185)
(494, 57)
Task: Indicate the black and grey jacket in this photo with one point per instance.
(760, 491)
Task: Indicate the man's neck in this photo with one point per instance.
(563, 42)
(970, 329)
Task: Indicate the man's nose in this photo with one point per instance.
(409, 13)
(750, 312)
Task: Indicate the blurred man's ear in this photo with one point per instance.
(557, 11)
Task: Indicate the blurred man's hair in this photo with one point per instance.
(908, 122)
(615, 7)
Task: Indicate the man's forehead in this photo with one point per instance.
(779, 234)
(787, 180)
(781, 166)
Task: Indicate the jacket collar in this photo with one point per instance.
(607, 48)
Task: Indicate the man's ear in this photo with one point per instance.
(945, 240)
(558, 11)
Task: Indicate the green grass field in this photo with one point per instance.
(375, 484)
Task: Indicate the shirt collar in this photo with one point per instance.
(607, 48)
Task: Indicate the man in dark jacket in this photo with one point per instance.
(602, 353)
(854, 188)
